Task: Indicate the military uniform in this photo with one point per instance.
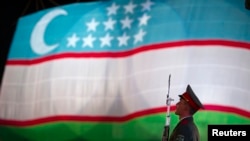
(186, 129)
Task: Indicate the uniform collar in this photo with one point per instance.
(186, 118)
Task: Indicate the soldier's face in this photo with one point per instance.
(181, 107)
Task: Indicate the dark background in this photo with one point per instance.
(11, 11)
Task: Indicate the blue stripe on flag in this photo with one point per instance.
(100, 27)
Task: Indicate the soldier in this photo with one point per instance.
(186, 129)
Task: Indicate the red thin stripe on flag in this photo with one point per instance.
(89, 118)
(226, 43)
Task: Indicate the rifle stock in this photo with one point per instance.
(165, 136)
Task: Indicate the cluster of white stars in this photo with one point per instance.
(109, 25)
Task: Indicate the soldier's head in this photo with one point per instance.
(189, 103)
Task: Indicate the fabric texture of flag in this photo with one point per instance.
(99, 70)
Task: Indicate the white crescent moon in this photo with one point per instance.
(37, 36)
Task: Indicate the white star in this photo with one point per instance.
(144, 19)
(109, 24)
(113, 9)
(130, 7)
(88, 41)
(106, 40)
(147, 5)
(138, 37)
(123, 39)
(126, 23)
(92, 25)
(72, 40)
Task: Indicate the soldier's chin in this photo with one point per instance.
(176, 112)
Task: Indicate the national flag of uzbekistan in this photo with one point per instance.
(99, 70)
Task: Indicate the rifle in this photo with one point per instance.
(165, 136)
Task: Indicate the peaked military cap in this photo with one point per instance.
(190, 97)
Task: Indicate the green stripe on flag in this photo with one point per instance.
(147, 128)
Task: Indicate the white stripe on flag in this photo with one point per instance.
(120, 86)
